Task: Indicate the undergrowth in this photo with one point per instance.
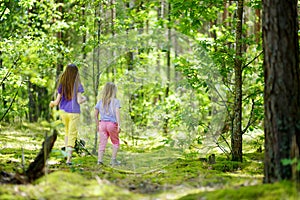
(142, 175)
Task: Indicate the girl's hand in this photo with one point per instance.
(84, 99)
(97, 124)
(55, 102)
(51, 104)
(81, 99)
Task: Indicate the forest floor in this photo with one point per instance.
(145, 173)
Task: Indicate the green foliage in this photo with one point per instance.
(291, 162)
(257, 4)
(131, 49)
(192, 15)
(219, 43)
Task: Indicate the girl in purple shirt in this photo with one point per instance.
(69, 99)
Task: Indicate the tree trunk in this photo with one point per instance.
(3, 99)
(257, 26)
(225, 13)
(31, 102)
(96, 59)
(166, 120)
(281, 92)
(236, 138)
(113, 32)
(59, 67)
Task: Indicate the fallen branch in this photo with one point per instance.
(36, 169)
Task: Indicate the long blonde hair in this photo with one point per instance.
(108, 94)
(69, 80)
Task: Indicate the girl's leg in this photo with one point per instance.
(69, 151)
(114, 152)
(102, 145)
(114, 160)
(103, 137)
(114, 137)
(73, 132)
(65, 119)
(66, 142)
(100, 156)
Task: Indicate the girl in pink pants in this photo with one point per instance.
(109, 124)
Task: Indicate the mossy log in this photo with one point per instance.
(36, 169)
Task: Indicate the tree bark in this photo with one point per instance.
(32, 104)
(36, 168)
(59, 67)
(236, 138)
(113, 33)
(3, 99)
(166, 120)
(257, 26)
(282, 91)
(96, 59)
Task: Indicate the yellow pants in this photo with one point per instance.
(71, 122)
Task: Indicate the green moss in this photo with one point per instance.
(277, 191)
(256, 156)
(65, 185)
(147, 172)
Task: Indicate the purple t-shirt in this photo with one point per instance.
(109, 115)
(70, 106)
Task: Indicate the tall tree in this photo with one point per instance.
(96, 59)
(282, 87)
(113, 33)
(168, 57)
(236, 139)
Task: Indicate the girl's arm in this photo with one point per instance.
(118, 119)
(80, 99)
(56, 101)
(96, 114)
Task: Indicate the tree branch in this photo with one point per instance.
(8, 72)
(223, 149)
(250, 118)
(3, 13)
(11, 103)
(252, 60)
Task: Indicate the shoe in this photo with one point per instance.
(115, 162)
(69, 163)
(100, 163)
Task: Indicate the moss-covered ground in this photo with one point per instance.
(145, 173)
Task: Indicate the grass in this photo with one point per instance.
(145, 173)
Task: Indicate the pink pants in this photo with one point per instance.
(106, 130)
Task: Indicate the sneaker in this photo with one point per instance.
(115, 162)
(69, 163)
